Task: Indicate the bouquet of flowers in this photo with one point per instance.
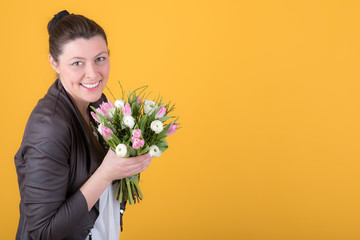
(132, 127)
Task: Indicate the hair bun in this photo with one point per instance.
(56, 19)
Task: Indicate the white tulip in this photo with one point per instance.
(110, 113)
(157, 126)
(154, 151)
(121, 150)
(149, 107)
(128, 121)
(119, 104)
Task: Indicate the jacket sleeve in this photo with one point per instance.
(50, 213)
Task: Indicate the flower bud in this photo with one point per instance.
(105, 131)
(150, 107)
(172, 129)
(128, 121)
(119, 104)
(121, 150)
(157, 126)
(161, 112)
(154, 151)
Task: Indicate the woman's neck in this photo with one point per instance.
(85, 113)
(83, 109)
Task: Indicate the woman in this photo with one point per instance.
(63, 170)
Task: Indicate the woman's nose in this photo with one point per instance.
(90, 71)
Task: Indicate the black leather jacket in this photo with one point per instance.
(57, 155)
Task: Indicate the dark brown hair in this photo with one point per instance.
(65, 27)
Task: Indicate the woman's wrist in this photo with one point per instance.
(101, 174)
(94, 187)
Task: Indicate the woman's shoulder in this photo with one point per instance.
(53, 112)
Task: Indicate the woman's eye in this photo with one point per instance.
(77, 64)
(99, 59)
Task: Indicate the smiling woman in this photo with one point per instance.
(83, 69)
(65, 172)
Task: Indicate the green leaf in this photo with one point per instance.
(134, 92)
(147, 96)
(133, 98)
(109, 143)
(163, 132)
(162, 145)
(163, 119)
(94, 109)
(144, 150)
(142, 124)
(115, 139)
(127, 142)
(132, 151)
(142, 91)
(134, 108)
(111, 93)
(129, 97)
(122, 90)
(116, 116)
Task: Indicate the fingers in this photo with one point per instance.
(140, 166)
(130, 171)
(135, 161)
(126, 167)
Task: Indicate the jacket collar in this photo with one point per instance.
(96, 147)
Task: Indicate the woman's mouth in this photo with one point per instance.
(90, 86)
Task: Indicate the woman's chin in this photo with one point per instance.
(94, 98)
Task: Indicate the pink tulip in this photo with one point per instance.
(99, 110)
(127, 109)
(172, 129)
(95, 117)
(136, 133)
(138, 100)
(161, 112)
(104, 107)
(105, 131)
(138, 143)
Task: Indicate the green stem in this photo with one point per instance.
(131, 200)
(117, 192)
(120, 187)
(138, 189)
(111, 93)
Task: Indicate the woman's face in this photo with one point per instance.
(83, 69)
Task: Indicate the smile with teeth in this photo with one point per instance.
(94, 85)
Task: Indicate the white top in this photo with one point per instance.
(107, 225)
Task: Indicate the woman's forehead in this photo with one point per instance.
(84, 48)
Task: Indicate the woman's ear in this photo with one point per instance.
(53, 63)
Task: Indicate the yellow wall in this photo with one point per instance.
(268, 93)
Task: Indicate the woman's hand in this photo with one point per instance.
(114, 167)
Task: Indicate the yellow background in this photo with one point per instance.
(268, 94)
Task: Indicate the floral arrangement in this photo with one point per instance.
(132, 127)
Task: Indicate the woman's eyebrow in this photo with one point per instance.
(101, 53)
(84, 58)
(76, 58)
